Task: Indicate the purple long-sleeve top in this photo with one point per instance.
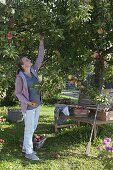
(21, 88)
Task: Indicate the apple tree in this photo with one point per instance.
(78, 40)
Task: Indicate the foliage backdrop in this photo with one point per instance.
(78, 40)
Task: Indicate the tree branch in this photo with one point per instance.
(107, 51)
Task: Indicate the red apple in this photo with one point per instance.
(95, 55)
(2, 141)
(38, 140)
(38, 137)
(9, 36)
(100, 31)
(41, 137)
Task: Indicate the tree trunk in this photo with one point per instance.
(98, 82)
(99, 73)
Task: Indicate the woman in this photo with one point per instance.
(29, 97)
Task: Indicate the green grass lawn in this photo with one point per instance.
(61, 151)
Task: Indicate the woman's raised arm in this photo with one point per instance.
(40, 57)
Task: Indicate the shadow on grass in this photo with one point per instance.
(55, 144)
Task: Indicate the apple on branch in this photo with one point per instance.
(100, 31)
(9, 35)
(95, 55)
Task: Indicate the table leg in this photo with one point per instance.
(55, 123)
(95, 132)
(55, 128)
(78, 123)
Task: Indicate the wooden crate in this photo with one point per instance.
(15, 115)
(81, 112)
(105, 115)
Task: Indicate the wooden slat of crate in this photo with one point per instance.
(90, 120)
(15, 115)
(105, 116)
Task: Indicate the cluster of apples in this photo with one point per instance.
(38, 138)
(79, 107)
(2, 141)
(64, 101)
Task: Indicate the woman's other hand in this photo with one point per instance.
(33, 104)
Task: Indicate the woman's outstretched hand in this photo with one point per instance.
(41, 36)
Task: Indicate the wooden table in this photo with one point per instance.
(78, 120)
(91, 121)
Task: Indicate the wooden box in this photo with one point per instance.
(15, 115)
(80, 112)
(105, 115)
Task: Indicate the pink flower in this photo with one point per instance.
(107, 141)
(108, 148)
(111, 149)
